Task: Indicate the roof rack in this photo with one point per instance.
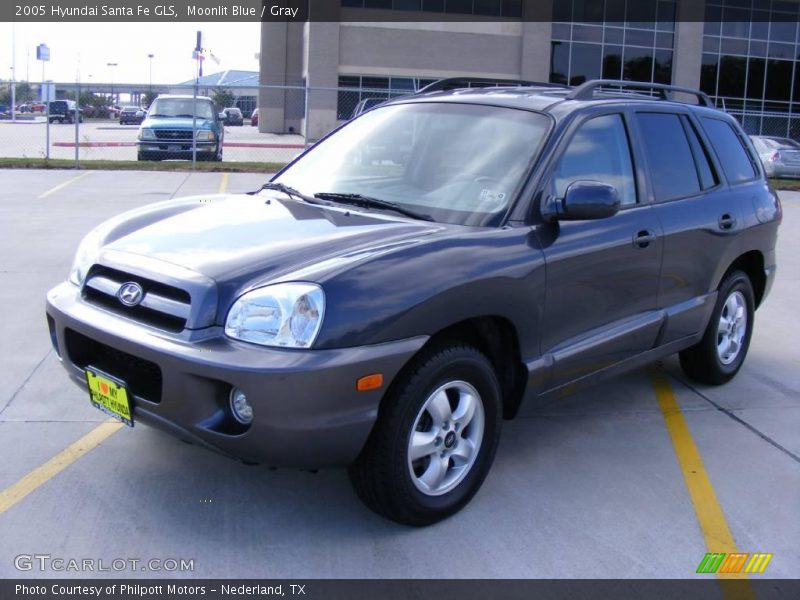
(585, 91)
(454, 83)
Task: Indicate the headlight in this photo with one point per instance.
(85, 257)
(206, 135)
(147, 134)
(286, 315)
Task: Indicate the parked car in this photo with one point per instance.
(386, 312)
(167, 131)
(132, 114)
(780, 155)
(5, 111)
(37, 107)
(64, 111)
(254, 118)
(365, 105)
(233, 116)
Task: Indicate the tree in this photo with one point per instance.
(92, 99)
(223, 98)
(147, 99)
(24, 92)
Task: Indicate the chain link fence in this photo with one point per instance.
(103, 122)
(288, 120)
(769, 124)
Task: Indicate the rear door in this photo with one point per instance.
(602, 275)
(702, 178)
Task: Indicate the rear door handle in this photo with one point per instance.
(643, 238)
(726, 222)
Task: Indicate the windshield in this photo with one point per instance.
(181, 107)
(458, 163)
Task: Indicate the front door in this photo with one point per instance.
(602, 275)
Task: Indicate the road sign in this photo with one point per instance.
(42, 52)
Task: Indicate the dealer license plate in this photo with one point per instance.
(109, 395)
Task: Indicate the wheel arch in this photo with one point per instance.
(752, 264)
(495, 337)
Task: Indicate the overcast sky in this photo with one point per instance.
(88, 47)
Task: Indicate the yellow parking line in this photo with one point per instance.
(223, 184)
(41, 475)
(711, 518)
(61, 186)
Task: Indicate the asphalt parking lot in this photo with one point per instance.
(108, 140)
(639, 477)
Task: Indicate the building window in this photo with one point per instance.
(750, 63)
(612, 39)
(511, 9)
(355, 88)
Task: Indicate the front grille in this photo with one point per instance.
(142, 377)
(161, 306)
(173, 134)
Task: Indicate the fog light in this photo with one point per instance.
(240, 407)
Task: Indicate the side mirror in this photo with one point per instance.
(221, 116)
(584, 201)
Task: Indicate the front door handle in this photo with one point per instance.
(726, 222)
(643, 238)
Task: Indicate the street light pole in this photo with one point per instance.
(150, 86)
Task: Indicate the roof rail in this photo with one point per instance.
(453, 83)
(585, 91)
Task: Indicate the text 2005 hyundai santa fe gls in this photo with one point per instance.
(388, 298)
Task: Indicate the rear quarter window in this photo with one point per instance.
(734, 157)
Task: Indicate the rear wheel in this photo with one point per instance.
(720, 354)
(435, 438)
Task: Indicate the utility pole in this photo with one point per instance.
(13, 71)
(198, 51)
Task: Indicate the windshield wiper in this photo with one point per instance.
(159, 115)
(289, 191)
(370, 202)
(187, 117)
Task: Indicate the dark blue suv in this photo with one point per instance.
(417, 276)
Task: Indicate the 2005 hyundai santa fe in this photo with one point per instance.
(404, 285)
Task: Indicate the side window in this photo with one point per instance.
(669, 157)
(733, 156)
(598, 151)
(708, 178)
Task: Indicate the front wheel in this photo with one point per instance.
(717, 357)
(435, 438)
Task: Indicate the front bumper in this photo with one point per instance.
(307, 411)
(175, 148)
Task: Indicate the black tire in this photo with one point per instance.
(702, 362)
(382, 477)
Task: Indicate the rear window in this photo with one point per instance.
(669, 157)
(735, 159)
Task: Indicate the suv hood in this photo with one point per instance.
(244, 240)
(176, 123)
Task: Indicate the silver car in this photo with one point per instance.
(780, 155)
